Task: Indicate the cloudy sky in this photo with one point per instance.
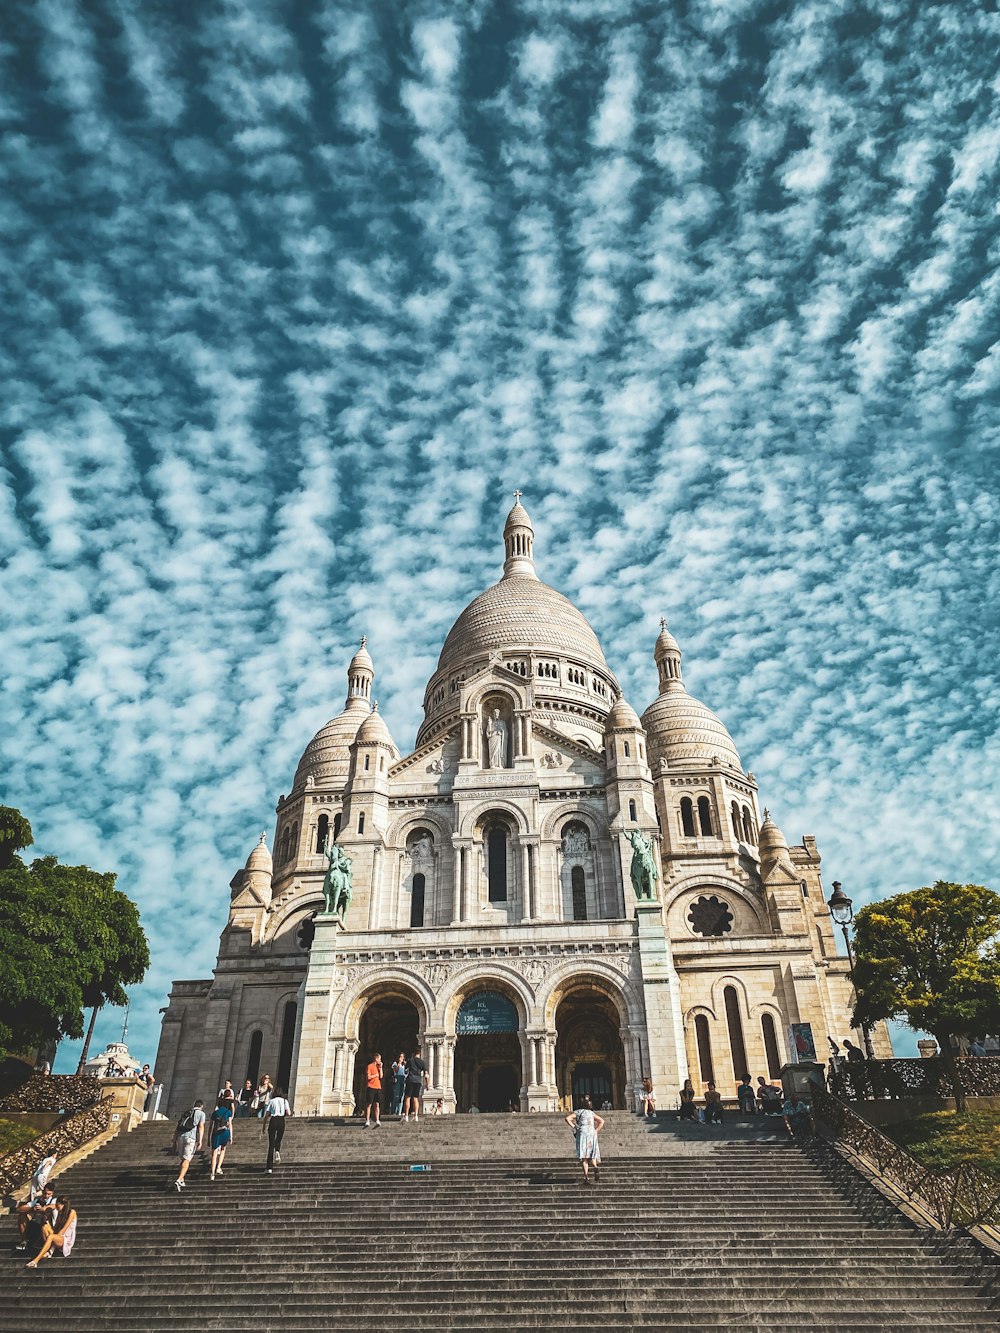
(295, 294)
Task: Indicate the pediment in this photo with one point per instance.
(438, 756)
(556, 753)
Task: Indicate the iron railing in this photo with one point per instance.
(979, 1076)
(959, 1196)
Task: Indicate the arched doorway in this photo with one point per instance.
(390, 1024)
(487, 1053)
(590, 1060)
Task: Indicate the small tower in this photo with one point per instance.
(780, 879)
(519, 543)
(366, 800)
(250, 890)
(667, 656)
(360, 677)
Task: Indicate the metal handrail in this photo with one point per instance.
(961, 1196)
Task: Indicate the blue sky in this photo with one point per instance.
(295, 294)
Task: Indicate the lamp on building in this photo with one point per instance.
(842, 910)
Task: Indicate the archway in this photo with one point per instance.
(590, 1060)
(390, 1024)
(487, 1053)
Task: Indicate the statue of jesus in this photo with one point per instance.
(496, 740)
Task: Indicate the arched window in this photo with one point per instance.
(770, 1046)
(704, 1048)
(748, 829)
(381, 763)
(361, 822)
(736, 1045)
(283, 847)
(687, 816)
(336, 825)
(287, 1044)
(293, 842)
(705, 815)
(579, 885)
(368, 762)
(628, 752)
(631, 812)
(496, 863)
(322, 831)
(253, 1057)
(737, 823)
(417, 901)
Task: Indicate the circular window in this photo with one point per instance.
(710, 916)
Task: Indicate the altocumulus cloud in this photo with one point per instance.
(295, 294)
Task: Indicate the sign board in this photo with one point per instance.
(800, 1040)
(486, 1011)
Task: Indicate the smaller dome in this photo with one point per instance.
(622, 717)
(665, 642)
(260, 857)
(682, 729)
(772, 849)
(374, 731)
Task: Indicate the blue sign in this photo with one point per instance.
(486, 1011)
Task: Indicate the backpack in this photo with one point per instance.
(186, 1123)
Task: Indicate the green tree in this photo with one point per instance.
(931, 959)
(68, 939)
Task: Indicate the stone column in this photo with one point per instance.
(312, 1070)
(447, 1092)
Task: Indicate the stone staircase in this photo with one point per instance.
(690, 1228)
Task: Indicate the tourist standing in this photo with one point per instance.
(60, 1235)
(416, 1079)
(275, 1113)
(398, 1083)
(246, 1099)
(856, 1070)
(264, 1094)
(586, 1126)
(373, 1090)
(188, 1139)
(688, 1110)
(222, 1133)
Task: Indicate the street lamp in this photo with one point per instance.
(842, 911)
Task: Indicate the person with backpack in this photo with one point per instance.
(187, 1139)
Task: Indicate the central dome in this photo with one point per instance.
(521, 613)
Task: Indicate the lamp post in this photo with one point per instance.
(842, 911)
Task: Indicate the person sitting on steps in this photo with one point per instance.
(32, 1217)
(59, 1235)
(713, 1105)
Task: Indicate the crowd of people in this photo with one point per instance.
(263, 1102)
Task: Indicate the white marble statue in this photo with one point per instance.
(496, 740)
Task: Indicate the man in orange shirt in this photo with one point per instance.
(373, 1095)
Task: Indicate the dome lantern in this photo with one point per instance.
(667, 655)
(360, 676)
(519, 541)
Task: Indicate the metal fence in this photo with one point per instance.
(978, 1074)
(961, 1196)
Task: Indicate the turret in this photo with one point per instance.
(519, 541)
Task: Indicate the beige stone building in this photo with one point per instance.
(493, 915)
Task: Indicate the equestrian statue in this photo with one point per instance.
(337, 880)
(643, 869)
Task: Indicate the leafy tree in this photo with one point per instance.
(931, 958)
(68, 939)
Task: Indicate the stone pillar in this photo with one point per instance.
(667, 1057)
(447, 1093)
(312, 1072)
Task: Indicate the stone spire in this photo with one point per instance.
(667, 656)
(360, 675)
(519, 540)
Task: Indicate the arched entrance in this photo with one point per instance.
(590, 1060)
(487, 1053)
(390, 1024)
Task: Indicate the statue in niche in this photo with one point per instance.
(337, 883)
(643, 868)
(575, 842)
(421, 848)
(496, 740)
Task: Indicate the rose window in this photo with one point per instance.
(710, 916)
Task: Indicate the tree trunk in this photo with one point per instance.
(951, 1069)
(86, 1044)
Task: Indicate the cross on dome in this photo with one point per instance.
(517, 496)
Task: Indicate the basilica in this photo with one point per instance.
(493, 917)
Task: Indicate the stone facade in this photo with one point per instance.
(496, 858)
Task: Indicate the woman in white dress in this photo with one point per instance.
(586, 1125)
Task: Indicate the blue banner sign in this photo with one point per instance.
(486, 1011)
